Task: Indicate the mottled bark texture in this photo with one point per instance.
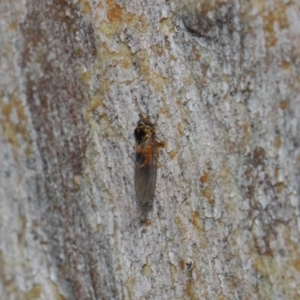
(222, 81)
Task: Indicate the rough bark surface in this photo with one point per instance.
(222, 81)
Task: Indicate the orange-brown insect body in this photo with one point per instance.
(146, 150)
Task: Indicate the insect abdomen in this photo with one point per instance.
(145, 179)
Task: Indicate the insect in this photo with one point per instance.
(147, 151)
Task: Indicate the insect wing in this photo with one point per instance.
(145, 171)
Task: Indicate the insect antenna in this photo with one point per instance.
(147, 108)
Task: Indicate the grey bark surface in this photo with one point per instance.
(222, 81)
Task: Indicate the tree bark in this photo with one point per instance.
(221, 81)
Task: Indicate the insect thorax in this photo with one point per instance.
(143, 132)
(145, 129)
